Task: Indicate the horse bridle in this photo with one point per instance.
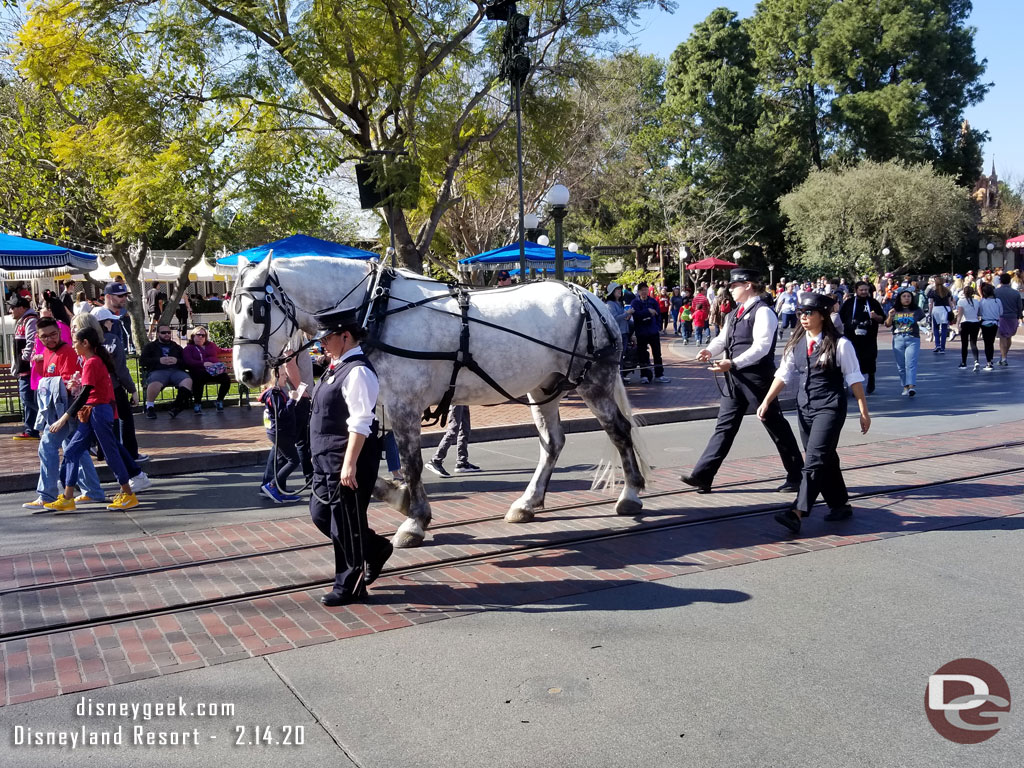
(259, 311)
(275, 296)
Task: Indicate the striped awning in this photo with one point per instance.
(20, 253)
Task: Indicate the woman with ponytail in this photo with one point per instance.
(94, 408)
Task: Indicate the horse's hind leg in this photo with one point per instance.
(552, 439)
(606, 397)
(406, 426)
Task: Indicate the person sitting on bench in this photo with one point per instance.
(164, 361)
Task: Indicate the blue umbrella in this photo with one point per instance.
(537, 257)
(297, 245)
(19, 253)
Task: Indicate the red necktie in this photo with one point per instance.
(739, 313)
(810, 349)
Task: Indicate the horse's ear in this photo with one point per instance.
(263, 268)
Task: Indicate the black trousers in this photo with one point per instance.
(819, 430)
(968, 336)
(340, 513)
(644, 359)
(201, 378)
(988, 335)
(302, 406)
(748, 390)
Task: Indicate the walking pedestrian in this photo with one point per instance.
(821, 364)
(646, 319)
(1013, 311)
(458, 432)
(990, 312)
(747, 343)
(968, 321)
(346, 455)
(940, 305)
(861, 315)
(906, 338)
(622, 313)
(94, 408)
(676, 303)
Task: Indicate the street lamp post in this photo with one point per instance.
(558, 199)
(771, 276)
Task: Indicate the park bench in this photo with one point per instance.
(9, 390)
(226, 356)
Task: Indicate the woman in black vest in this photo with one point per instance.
(819, 363)
(344, 443)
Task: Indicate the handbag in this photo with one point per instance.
(216, 369)
(84, 413)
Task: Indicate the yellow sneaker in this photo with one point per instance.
(62, 504)
(85, 498)
(34, 505)
(123, 501)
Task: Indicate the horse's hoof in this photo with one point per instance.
(409, 534)
(519, 515)
(628, 508)
(405, 540)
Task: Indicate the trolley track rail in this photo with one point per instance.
(441, 563)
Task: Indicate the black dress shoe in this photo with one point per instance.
(844, 512)
(333, 599)
(788, 487)
(790, 519)
(701, 487)
(375, 566)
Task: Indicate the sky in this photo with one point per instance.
(998, 23)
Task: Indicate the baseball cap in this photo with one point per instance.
(103, 314)
(115, 289)
(17, 301)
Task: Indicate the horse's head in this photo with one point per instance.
(264, 319)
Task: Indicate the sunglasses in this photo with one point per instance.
(806, 312)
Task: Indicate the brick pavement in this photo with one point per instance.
(93, 657)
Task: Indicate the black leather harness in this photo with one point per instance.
(376, 304)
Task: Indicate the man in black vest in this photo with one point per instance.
(861, 315)
(747, 343)
(344, 441)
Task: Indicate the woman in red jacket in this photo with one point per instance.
(201, 359)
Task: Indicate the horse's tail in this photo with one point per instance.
(606, 472)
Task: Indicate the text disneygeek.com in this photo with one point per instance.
(118, 725)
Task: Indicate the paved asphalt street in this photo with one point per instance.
(818, 660)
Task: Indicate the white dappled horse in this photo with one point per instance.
(526, 338)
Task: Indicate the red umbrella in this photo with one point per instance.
(711, 263)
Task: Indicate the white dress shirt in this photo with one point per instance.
(766, 324)
(360, 389)
(844, 351)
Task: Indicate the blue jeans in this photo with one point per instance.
(28, 403)
(100, 425)
(391, 452)
(939, 331)
(51, 469)
(700, 334)
(906, 349)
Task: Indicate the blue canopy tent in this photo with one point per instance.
(537, 257)
(295, 246)
(18, 254)
(551, 271)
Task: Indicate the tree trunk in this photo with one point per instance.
(406, 252)
(131, 268)
(814, 136)
(182, 283)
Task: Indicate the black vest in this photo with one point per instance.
(741, 337)
(818, 387)
(328, 417)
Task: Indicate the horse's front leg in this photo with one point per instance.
(406, 426)
(552, 439)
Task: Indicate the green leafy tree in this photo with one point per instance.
(159, 162)
(376, 75)
(902, 72)
(842, 220)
